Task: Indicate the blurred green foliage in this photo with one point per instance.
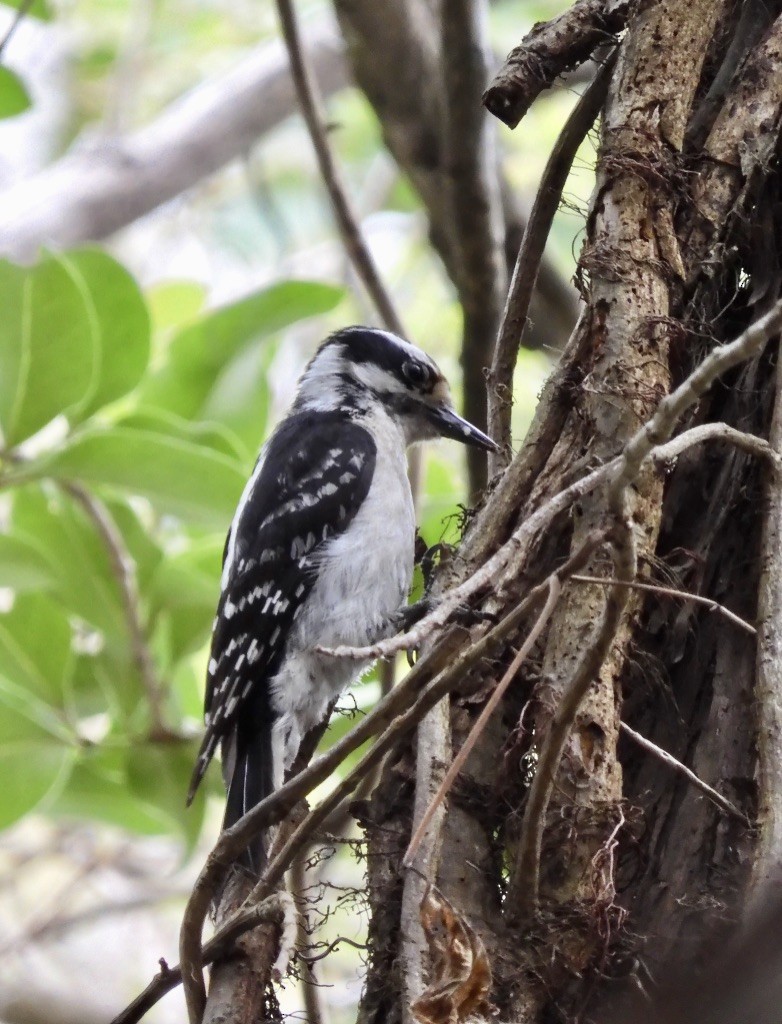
(151, 444)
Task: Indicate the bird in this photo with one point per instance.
(319, 553)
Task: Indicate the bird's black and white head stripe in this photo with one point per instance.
(358, 367)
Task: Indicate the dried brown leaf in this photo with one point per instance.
(461, 973)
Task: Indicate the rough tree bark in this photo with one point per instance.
(682, 251)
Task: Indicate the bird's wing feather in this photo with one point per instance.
(308, 485)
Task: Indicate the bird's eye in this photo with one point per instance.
(416, 373)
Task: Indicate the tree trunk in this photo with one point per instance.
(637, 868)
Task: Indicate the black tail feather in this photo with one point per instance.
(251, 780)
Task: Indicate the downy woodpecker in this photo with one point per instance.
(319, 553)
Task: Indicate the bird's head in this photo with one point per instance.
(361, 367)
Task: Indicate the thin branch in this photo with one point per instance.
(550, 49)
(663, 755)
(748, 443)
(168, 978)
(554, 591)
(124, 572)
(528, 262)
(659, 428)
(311, 108)
(683, 595)
(472, 177)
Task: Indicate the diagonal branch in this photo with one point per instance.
(525, 272)
(683, 595)
(472, 177)
(169, 978)
(347, 222)
(682, 769)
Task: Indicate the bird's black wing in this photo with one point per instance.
(307, 486)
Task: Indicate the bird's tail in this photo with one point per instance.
(249, 780)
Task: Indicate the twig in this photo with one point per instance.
(331, 947)
(169, 977)
(749, 443)
(311, 108)
(683, 595)
(682, 769)
(314, 1006)
(659, 428)
(550, 49)
(533, 243)
(476, 207)
(554, 591)
(123, 569)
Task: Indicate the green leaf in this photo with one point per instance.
(103, 675)
(183, 479)
(122, 322)
(210, 435)
(36, 667)
(85, 582)
(98, 789)
(183, 595)
(200, 351)
(24, 565)
(48, 347)
(33, 764)
(38, 9)
(159, 775)
(241, 396)
(14, 97)
(174, 303)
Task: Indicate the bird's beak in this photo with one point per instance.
(448, 423)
